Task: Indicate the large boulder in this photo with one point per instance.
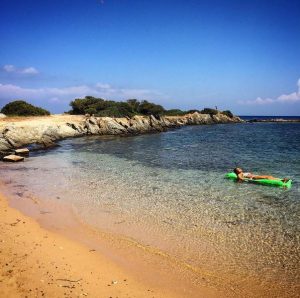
(110, 126)
(66, 130)
(123, 122)
(128, 124)
(221, 118)
(237, 119)
(164, 122)
(2, 115)
(139, 124)
(4, 144)
(197, 118)
(91, 125)
(146, 124)
(176, 121)
(155, 123)
(80, 128)
(17, 136)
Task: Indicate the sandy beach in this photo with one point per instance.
(36, 262)
(122, 127)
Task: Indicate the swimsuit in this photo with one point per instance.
(247, 175)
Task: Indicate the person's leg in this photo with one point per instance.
(265, 177)
(269, 177)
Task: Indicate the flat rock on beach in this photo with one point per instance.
(13, 158)
(22, 152)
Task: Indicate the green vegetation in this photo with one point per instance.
(192, 111)
(100, 107)
(209, 111)
(228, 113)
(22, 108)
(105, 108)
(148, 108)
(174, 112)
(109, 108)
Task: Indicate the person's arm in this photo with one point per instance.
(240, 177)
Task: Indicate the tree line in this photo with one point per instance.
(104, 108)
(101, 107)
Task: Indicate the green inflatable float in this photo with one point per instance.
(269, 182)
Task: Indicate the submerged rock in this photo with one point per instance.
(13, 158)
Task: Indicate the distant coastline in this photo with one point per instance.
(288, 118)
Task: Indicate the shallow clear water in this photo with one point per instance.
(168, 191)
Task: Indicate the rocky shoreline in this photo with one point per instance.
(44, 131)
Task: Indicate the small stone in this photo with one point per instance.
(114, 282)
(13, 158)
(22, 151)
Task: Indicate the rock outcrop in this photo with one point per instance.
(45, 131)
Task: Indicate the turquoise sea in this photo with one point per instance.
(168, 191)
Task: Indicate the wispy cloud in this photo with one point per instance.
(65, 94)
(9, 68)
(284, 98)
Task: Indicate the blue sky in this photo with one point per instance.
(237, 55)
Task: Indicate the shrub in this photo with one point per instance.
(117, 110)
(109, 112)
(148, 108)
(209, 111)
(192, 111)
(81, 106)
(228, 113)
(101, 107)
(134, 104)
(174, 112)
(110, 108)
(22, 108)
(91, 111)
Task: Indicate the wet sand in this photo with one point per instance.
(38, 262)
(35, 262)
